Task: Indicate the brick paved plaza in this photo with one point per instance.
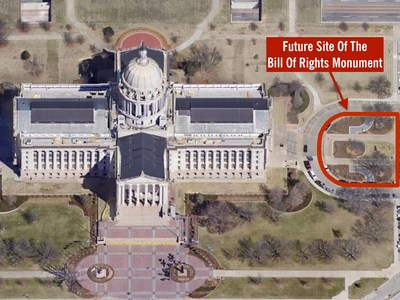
(136, 254)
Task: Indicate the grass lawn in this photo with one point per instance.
(137, 11)
(52, 60)
(365, 286)
(383, 147)
(342, 172)
(306, 226)
(346, 149)
(342, 124)
(279, 288)
(34, 288)
(57, 222)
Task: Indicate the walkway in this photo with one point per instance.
(25, 274)
(292, 16)
(82, 28)
(215, 9)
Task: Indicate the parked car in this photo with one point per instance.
(305, 148)
(307, 164)
(312, 174)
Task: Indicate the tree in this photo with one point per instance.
(365, 26)
(351, 250)
(297, 100)
(174, 38)
(280, 88)
(23, 26)
(198, 198)
(229, 41)
(211, 26)
(300, 252)
(253, 26)
(68, 27)
(296, 195)
(295, 86)
(337, 233)
(83, 199)
(352, 199)
(254, 41)
(275, 248)
(322, 250)
(324, 206)
(25, 55)
(319, 77)
(248, 250)
(46, 252)
(380, 85)
(205, 57)
(372, 227)
(67, 37)
(92, 25)
(108, 33)
(343, 26)
(64, 275)
(269, 213)
(281, 26)
(380, 165)
(93, 48)
(276, 195)
(34, 66)
(80, 39)
(30, 216)
(3, 250)
(356, 86)
(246, 212)
(46, 26)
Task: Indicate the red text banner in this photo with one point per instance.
(325, 54)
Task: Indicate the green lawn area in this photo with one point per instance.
(138, 11)
(52, 60)
(365, 286)
(32, 288)
(306, 226)
(279, 288)
(57, 222)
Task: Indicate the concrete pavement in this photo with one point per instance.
(25, 274)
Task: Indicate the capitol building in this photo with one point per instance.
(141, 130)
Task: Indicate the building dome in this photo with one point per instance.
(143, 74)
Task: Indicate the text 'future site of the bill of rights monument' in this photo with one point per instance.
(142, 130)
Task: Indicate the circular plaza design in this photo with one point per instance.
(134, 38)
(100, 273)
(182, 273)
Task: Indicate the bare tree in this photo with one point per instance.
(64, 275)
(46, 26)
(206, 57)
(357, 86)
(372, 227)
(324, 206)
(322, 250)
(365, 26)
(380, 85)
(93, 48)
(280, 88)
(300, 252)
(68, 40)
(352, 199)
(46, 252)
(246, 212)
(23, 26)
(274, 248)
(80, 39)
(297, 100)
(211, 26)
(343, 26)
(281, 26)
(295, 86)
(248, 250)
(229, 41)
(269, 213)
(174, 38)
(349, 249)
(3, 250)
(34, 66)
(92, 25)
(276, 195)
(297, 194)
(254, 41)
(253, 26)
(380, 165)
(319, 77)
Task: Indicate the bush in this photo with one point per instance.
(108, 33)
(343, 26)
(23, 26)
(25, 55)
(30, 216)
(253, 26)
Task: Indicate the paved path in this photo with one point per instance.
(35, 37)
(25, 274)
(82, 28)
(215, 9)
(292, 16)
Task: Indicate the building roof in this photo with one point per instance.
(143, 73)
(142, 153)
(188, 103)
(62, 111)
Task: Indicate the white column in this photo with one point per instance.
(191, 159)
(137, 194)
(165, 199)
(47, 159)
(153, 201)
(214, 159)
(130, 195)
(118, 200)
(123, 193)
(229, 160)
(245, 159)
(237, 163)
(93, 162)
(146, 187)
(206, 160)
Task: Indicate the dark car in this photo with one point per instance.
(307, 164)
(305, 148)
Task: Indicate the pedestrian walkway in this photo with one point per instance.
(25, 274)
